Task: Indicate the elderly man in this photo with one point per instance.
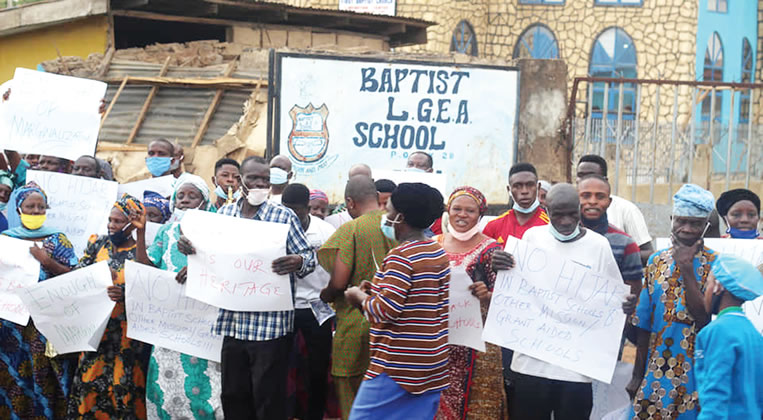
(420, 161)
(542, 389)
(280, 175)
(255, 351)
(87, 166)
(671, 312)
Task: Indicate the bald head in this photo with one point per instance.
(563, 208)
(360, 169)
(360, 196)
(282, 162)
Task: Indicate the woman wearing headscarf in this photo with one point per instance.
(111, 382)
(157, 207)
(407, 307)
(33, 385)
(740, 209)
(476, 379)
(179, 385)
(6, 187)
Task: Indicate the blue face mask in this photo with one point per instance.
(528, 210)
(743, 234)
(278, 176)
(389, 229)
(224, 194)
(561, 237)
(158, 166)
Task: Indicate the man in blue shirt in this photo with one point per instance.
(728, 363)
(256, 347)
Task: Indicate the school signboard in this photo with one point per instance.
(332, 112)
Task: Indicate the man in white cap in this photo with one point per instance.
(670, 313)
(728, 357)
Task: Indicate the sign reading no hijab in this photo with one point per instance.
(557, 311)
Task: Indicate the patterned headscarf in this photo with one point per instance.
(25, 191)
(154, 199)
(693, 201)
(474, 193)
(196, 181)
(318, 195)
(123, 204)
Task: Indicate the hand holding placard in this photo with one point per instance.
(557, 311)
(72, 310)
(232, 264)
(159, 313)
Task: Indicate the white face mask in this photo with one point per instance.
(464, 236)
(257, 196)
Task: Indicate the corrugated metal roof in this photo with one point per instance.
(175, 113)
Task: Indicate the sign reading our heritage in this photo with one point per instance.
(232, 267)
(338, 112)
(558, 311)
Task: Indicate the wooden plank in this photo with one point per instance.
(213, 107)
(147, 104)
(229, 83)
(103, 68)
(113, 101)
(117, 147)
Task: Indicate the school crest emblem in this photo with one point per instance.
(309, 137)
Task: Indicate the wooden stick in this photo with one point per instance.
(113, 101)
(212, 107)
(194, 83)
(147, 104)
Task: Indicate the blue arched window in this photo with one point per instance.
(747, 70)
(614, 55)
(464, 39)
(713, 71)
(537, 41)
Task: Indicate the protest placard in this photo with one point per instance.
(434, 180)
(465, 317)
(232, 265)
(79, 206)
(18, 269)
(558, 311)
(51, 114)
(159, 313)
(750, 250)
(72, 310)
(162, 185)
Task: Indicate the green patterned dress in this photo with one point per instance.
(179, 385)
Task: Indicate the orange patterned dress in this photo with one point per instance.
(111, 383)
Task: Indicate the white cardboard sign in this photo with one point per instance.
(72, 310)
(18, 269)
(162, 185)
(159, 313)
(79, 206)
(557, 311)
(51, 114)
(465, 317)
(232, 265)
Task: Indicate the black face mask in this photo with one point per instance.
(119, 237)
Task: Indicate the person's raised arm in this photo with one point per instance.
(684, 258)
(340, 278)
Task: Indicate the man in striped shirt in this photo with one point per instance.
(255, 352)
(408, 312)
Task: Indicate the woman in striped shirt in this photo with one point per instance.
(407, 307)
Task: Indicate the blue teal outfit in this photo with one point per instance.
(33, 385)
(729, 363)
(668, 390)
(729, 368)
